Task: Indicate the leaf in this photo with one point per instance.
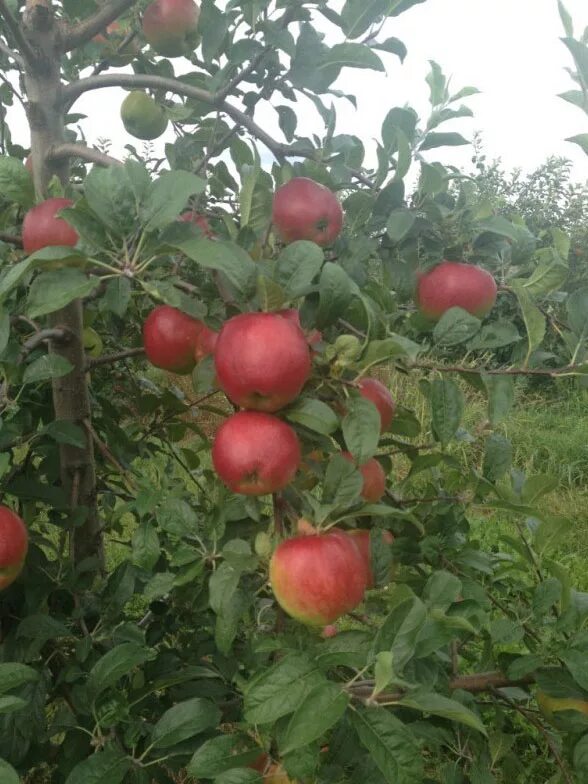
(314, 415)
(4, 328)
(437, 84)
(226, 257)
(577, 309)
(104, 767)
(537, 486)
(160, 585)
(383, 671)
(51, 291)
(183, 721)
(336, 290)
(117, 296)
(13, 675)
(446, 408)
(297, 266)
(441, 590)
(287, 121)
(494, 335)
(439, 705)
(399, 224)
(177, 517)
(393, 46)
(357, 16)
(66, 433)
(16, 183)
(566, 19)
(581, 140)
(222, 753)
(579, 52)
(9, 704)
(500, 390)
(115, 193)
(580, 759)
(45, 368)
(232, 608)
(146, 546)
(343, 482)
(433, 140)
(498, 455)
(533, 318)
(119, 661)
(8, 775)
(545, 279)
(352, 56)
(167, 197)
(361, 429)
(455, 326)
(318, 712)
(390, 744)
(239, 776)
(280, 690)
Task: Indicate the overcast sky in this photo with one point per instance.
(509, 49)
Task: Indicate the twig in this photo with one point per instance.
(26, 50)
(110, 358)
(11, 239)
(58, 334)
(108, 456)
(75, 89)
(428, 500)
(84, 31)
(8, 52)
(215, 148)
(553, 372)
(90, 154)
(104, 64)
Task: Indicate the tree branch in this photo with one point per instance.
(27, 52)
(11, 239)
(57, 334)
(84, 31)
(90, 154)
(110, 358)
(569, 370)
(133, 81)
(8, 52)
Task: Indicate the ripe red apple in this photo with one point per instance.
(255, 453)
(169, 26)
(361, 538)
(14, 542)
(374, 390)
(198, 220)
(305, 210)
(316, 579)
(42, 227)
(374, 479)
(313, 336)
(453, 284)
(171, 339)
(262, 360)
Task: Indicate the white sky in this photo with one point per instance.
(509, 49)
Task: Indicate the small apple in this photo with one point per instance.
(255, 453)
(169, 26)
(453, 284)
(42, 226)
(361, 538)
(374, 390)
(170, 338)
(374, 479)
(317, 579)
(111, 41)
(198, 220)
(306, 210)
(142, 116)
(14, 543)
(262, 361)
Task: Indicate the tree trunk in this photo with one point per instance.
(71, 398)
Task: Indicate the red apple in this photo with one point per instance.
(361, 538)
(198, 220)
(316, 579)
(262, 360)
(374, 390)
(171, 338)
(313, 336)
(374, 479)
(14, 542)
(453, 284)
(305, 210)
(255, 453)
(42, 227)
(206, 343)
(169, 26)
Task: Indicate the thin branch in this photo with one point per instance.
(58, 334)
(8, 52)
(552, 372)
(108, 456)
(11, 239)
(110, 358)
(84, 31)
(26, 50)
(214, 149)
(90, 154)
(105, 63)
(132, 81)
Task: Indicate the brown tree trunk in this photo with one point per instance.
(71, 398)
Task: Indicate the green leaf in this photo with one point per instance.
(399, 224)
(160, 585)
(16, 184)
(226, 257)
(4, 328)
(8, 775)
(581, 140)
(545, 279)
(383, 671)
(437, 84)
(117, 296)
(66, 433)
(336, 290)
(10, 704)
(441, 590)
(581, 759)
(535, 487)
(45, 368)
(314, 415)
(343, 482)
(390, 744)
(183, 721)
(533, 318)
(361, 429)
(177, 517)
(146, 546)
(13, 675)
(232, 608)
(566, 19)
(119, 661)
(357, 16)
(239, 776)
(455, 326)
(288, 121)
(352, 56)
(392, 46)
(51, 291)
(438, 705)
(433, 140)
(167, 197)
(446, 408)
(297, 266)
(498, 455)
(500, 390)
(579, 52)
(222, 753)
(104, 767)
(318, 712)
(577, 309)
(280, 690)
(115, 194)
(494, 335)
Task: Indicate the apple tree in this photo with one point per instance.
(226, 553)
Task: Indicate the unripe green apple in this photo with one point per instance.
(143, 117)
